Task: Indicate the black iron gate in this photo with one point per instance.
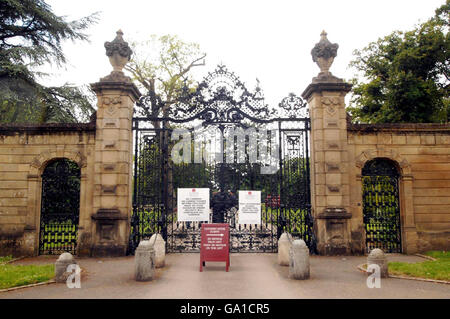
(381, 206)
(236, 142)
(60, 207)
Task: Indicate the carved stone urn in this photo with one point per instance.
(118, 62)
(119, 53)
(323, 54)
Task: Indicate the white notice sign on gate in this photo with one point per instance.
(250, 207)
(193, 204)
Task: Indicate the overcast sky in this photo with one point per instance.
(268, 40)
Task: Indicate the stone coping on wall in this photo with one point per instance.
(399, 127)
(7, 129)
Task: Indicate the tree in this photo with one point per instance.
(162, 67)
(407, 75)
(31, 35)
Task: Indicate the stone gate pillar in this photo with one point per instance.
(329, 153)
(112, 205)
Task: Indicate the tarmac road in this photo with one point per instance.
(251, 276)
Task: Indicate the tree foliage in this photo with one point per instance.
(406, 75)
(31, 35)
(162, 67)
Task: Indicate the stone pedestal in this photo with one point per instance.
(299, 260)
(109, 224)
(333, 226)
(144, 261)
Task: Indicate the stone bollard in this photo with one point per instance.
(144, 265)
(378, 257)
(284, 245)
(299, 260)
(64, 260)
(159, 245)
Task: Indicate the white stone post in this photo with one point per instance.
(378, 257)
(144, 265)
(284, 246)
(299, 260)
(61, 264)
(159, 245)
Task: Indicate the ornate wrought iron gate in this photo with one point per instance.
(273, 157)
(60, 208)
(381, 206)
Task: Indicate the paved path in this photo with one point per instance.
(251, 276)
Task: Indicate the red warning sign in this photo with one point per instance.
(215, 244)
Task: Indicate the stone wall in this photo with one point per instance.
(339, 151)
(422, 153)
(103, 150)
(24, 153)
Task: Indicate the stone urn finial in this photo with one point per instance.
(119, 53)
(323, 54)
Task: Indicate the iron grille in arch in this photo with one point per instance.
(218, 104)
(381, 206)
(60, 208)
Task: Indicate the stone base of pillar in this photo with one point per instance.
(84, 244)
(17, 241)
(333, 232)
(358, 242)
(410, 240)
(334, 249)
(108, 250)
(109, 242)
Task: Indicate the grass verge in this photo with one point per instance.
(22, 275)
(438, 270)
(5, 259)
